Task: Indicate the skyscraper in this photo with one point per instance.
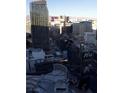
(39, 24)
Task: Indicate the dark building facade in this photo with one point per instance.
(39, 24)
(67, 29)
(40, 36)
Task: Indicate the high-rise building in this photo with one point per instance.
(86, 26)
(39, 24)
(78, 29)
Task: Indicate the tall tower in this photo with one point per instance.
(39, 24)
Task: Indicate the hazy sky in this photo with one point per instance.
(86, 8)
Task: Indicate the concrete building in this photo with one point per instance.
(78, 29)
(86, 26)
(90, 37)
(94, 24)
(79, 18)
(39, 24)
(59, 22)
(28, 24)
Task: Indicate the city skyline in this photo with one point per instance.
(87, 8)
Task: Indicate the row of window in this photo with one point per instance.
(39, 20)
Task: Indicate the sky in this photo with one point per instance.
(85, 8)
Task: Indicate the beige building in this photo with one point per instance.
(28, 24)
(59, 21)
(94, 24)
